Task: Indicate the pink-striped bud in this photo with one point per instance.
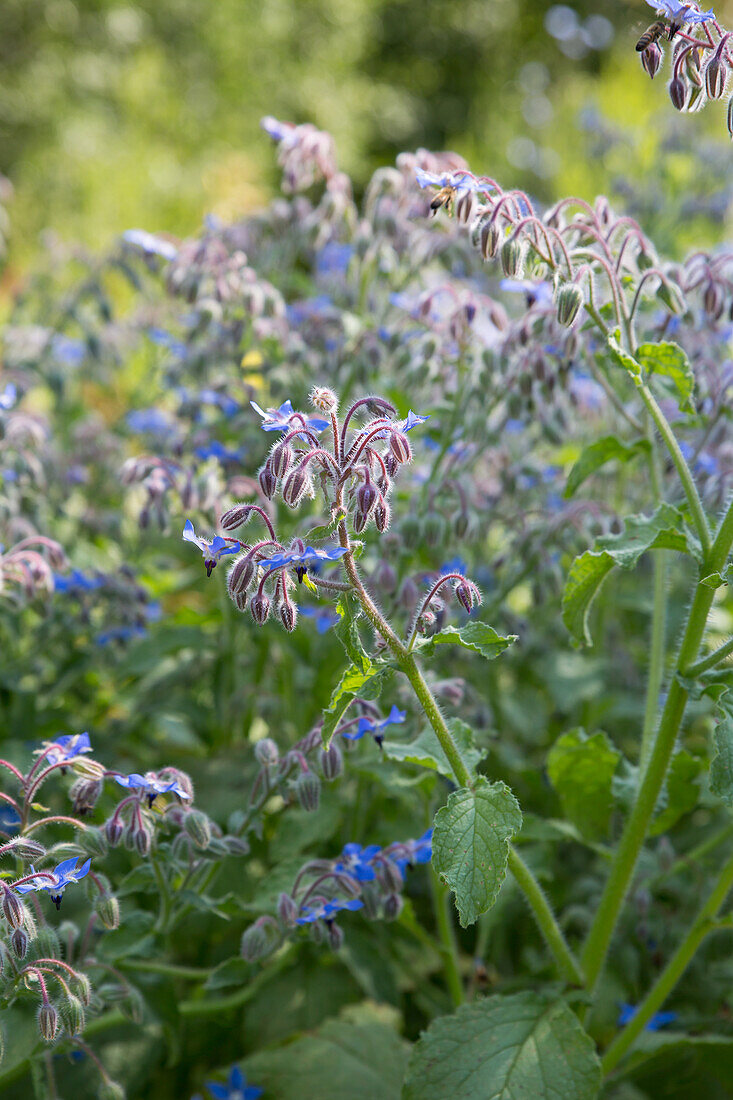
(382, 515)
(716, 77)
(236, 517)
(678, 93)
(288, 615)
(281, 459)
(400, 447)
(295, 486)
(240, 576)
(268, 481)
(651, 59)
(259, 607)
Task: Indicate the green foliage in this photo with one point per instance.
(502, 1048)
(479, 637)
(426, 750)
(597, 454)
(581, 769)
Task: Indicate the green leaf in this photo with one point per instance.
(721, 766)
(676, 1066)
(623, 359)
(347, 631)
(341, 1060)
(324, 531)
(520, 1047)
(717, 580)
(235, 971)
(471, 844)
(681, 789)
(364, 683)
(663, 530)
(426, 750)
(480, 637)
(598, 454)
(671, 362)
(581, 770)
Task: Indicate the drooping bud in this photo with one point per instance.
(236, 516)
(367, 495)
(19, 942)
(84, 794)
(400, 447)
(692, 67)
(308, 791)
(235, 845)
(27, 848)
(108, 911)
(332, 762)
(288, 615)
(94, 841)
(488, 238)
(259, 607)
(512, 259)
(267, 753)
(267, 480)
(569, 301)
(467, 595)
(113, 829)
(48, 1021)
(287, 911)
(142, 840)
(295, 486)
(240, 576)
(72, 1014)
(713, 300)
(255, 942)
(678, 93)
(382, 515)
(651, 59)
(335, 936)
(197, 825)
(716, 76)
(281, 459)
(389, 875)
(392, 906)
(359, 522)
(12, 908)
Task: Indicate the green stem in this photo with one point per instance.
(545, 918)
(446, 932)
(596, 947)
(673, 971)
(659, 618)
(192, 973)
(712, 659)
(693, 857)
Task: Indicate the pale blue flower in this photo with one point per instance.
(281, 420)
(212, 550)
(62, 876)
(681, 13)
(327, 910)
(150, 244)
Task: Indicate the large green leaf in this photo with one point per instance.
(663, 530)
(668, 1065)
(426, 750)
(471, 844)
(581, 770)
(480, 637)
(341, 1060)
(520, 1047)
(597, 454)
(670, 362)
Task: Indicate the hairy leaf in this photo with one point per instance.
(671, 362)
(581, 770)
(597, 454)
(426, 750)
(479, 637)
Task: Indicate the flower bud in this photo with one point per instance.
(716, 77)
(323, 399)
(287, 911)
(677, 93)
(113, 828)
(235, 517)
(27, 848)
(400, 447)
(692, 67)
(12, 908)
(308, 791)
(295, 486)
(94, 841)
(142, 840)
(240, 575)
(359, 522)
(433, 529)
(651, 59)
(467, 595)
(198, 827)
(569, 301)
(367, 496)
(84, 794)
(259, 607)
(267, 753)
(713, 300)
(391, 464)
(408, 594)
(332, 761)
(281, 459)
(389, 875)
(382, 515)
(267, 480)
(335, 936)
(255, 942)
(72, 1014)
(512, 259)
(19, 942)
(488, 238)
(288, 615)
(108, 911)
(48, 1021)
(392, 906)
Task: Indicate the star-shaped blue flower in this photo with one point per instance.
(76, 582)
(327, 911)
(462, 182)
(63, 875)
(67, 747)
(212, 550)
(681, 13)
(412, 852)
(357, 861)
(217, 450)
(323, 617)
(280, 420)
(309, 556)
(151, 785)
(658, 1020)
(236, 1087)
(377, 726)
(150, 244)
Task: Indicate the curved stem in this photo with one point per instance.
(673, 971)
(712, 659)
(446, 932)
(545, 918)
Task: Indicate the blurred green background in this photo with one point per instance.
(115, 114)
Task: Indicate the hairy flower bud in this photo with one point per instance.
(400, 447)
(382, 515)
(240, 576)
(267, 753)
(12, 908)
(467, 595)
(389, 875)
(323, 399)
(255, 942)
(716, 76)
(259, 607)
(488, 237)
(335, 936)
(267, 480)
(27, 848)
(678, 93)
(84, 794)
(367, 495)
(113, 828)
(287, 911)
(198, 827)
(72, 1014)
(692, 67)
(332, 761)
(235, 517)
(713, 300)
(235, 845)
(308, 791)
(288, 615)
(359, 522)
(569, 301)
(19, 942)
(295, 486)
(392, 906)
(48, 1021)
(512, 259)
(94, 841)
(108, 911)
(142, 839)
(281, 459)
(651, 59)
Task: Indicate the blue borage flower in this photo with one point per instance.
(302, 559)
(323, 617)
(236, 1087)
(376, 726)
(66, 748)
(327, 910)
(217, 450)
(411, 852)
(357, 861)
(9, 819)
(150, 244)
(76, 582)
(150, 785)
(658, 1020)
(285, 418)
(681, 13)
(64, 875)
(8, 397)
(212, 550)
(537, 294)
(461, 182)
(412, 420)
(278, 131)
